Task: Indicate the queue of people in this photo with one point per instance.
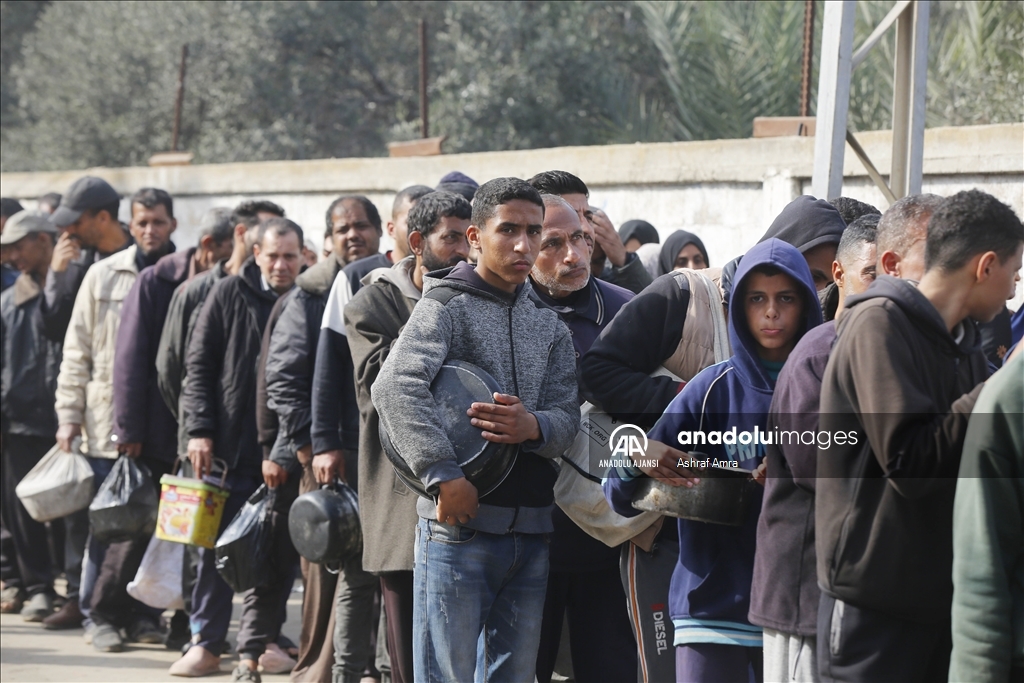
(885, 546)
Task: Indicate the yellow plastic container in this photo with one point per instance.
(190, 511)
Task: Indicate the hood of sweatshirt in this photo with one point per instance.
(805, 223)
(964, 339)
(464, 278)
(399, 275)
(786, 258)
(670, 250)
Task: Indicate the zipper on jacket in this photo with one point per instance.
(515, 385)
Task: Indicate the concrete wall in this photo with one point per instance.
(727, 191)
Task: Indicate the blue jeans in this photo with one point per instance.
(83, 555)
(478, 603)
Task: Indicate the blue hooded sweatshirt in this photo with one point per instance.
(709, 596)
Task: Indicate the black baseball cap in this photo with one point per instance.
(84, 194)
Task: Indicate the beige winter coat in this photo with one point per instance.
(85, 385)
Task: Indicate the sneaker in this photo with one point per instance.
(11, 600)
(244, 674)
(38, 607)
(90, 631)
(68, 616)
(145, 631)
(106, 638)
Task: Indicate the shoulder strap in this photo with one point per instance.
(442, 293)
(582, 472)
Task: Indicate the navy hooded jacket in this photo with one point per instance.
(710, 591)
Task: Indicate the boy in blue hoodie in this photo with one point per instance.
(773, 304)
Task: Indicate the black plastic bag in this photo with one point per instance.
(125, 507)
(243, 549)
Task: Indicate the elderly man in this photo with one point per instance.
(28, 378)
(584, 576)
(220, 406)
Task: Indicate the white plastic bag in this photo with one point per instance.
(59, 484)
(578, 487)
(158, 581)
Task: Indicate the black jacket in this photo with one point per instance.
(615, 372)
(182, 314)
(884, 504)
(335, 418)
(140, 414)
(805, 223)
(220, 397)
(31, 362)
(290, 359)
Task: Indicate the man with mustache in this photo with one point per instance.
(584, 576)
(437, 239)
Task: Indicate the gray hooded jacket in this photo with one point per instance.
(529, 352)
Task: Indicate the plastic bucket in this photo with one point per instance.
(190, 511)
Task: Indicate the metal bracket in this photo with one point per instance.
(837, 64)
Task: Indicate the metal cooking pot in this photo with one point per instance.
(486, 464)
(324, 525)
(722, 497)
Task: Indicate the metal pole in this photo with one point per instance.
(915, 149)
(178, 100)
(833, 98)
(808, 56)
(902, 94)
(424, 120)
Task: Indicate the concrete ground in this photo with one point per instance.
(30, 654)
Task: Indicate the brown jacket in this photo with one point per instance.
(884, 506)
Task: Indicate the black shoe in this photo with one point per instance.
(145, 631)
(179, 634)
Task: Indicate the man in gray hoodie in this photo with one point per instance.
(481, 563)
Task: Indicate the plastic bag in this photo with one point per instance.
(243, 547)
(60, 484)
(125, 507)
(158, 581)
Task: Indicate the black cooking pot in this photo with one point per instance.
(722, 496)
(324, 525)
(486, 464)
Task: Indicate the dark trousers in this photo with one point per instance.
(210, 614)
(600, 638)
(110, 603)
(856, 644)
(713, 663)
(397, 593)
(646, 577)
(265, 607)
(26, 557)
(316, 640)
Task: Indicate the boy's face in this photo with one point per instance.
(774, 308)
(989, 298)
(508, 243)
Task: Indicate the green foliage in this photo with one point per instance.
(93, 83)
(726, 62)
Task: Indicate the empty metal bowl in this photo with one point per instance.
(722, 496)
